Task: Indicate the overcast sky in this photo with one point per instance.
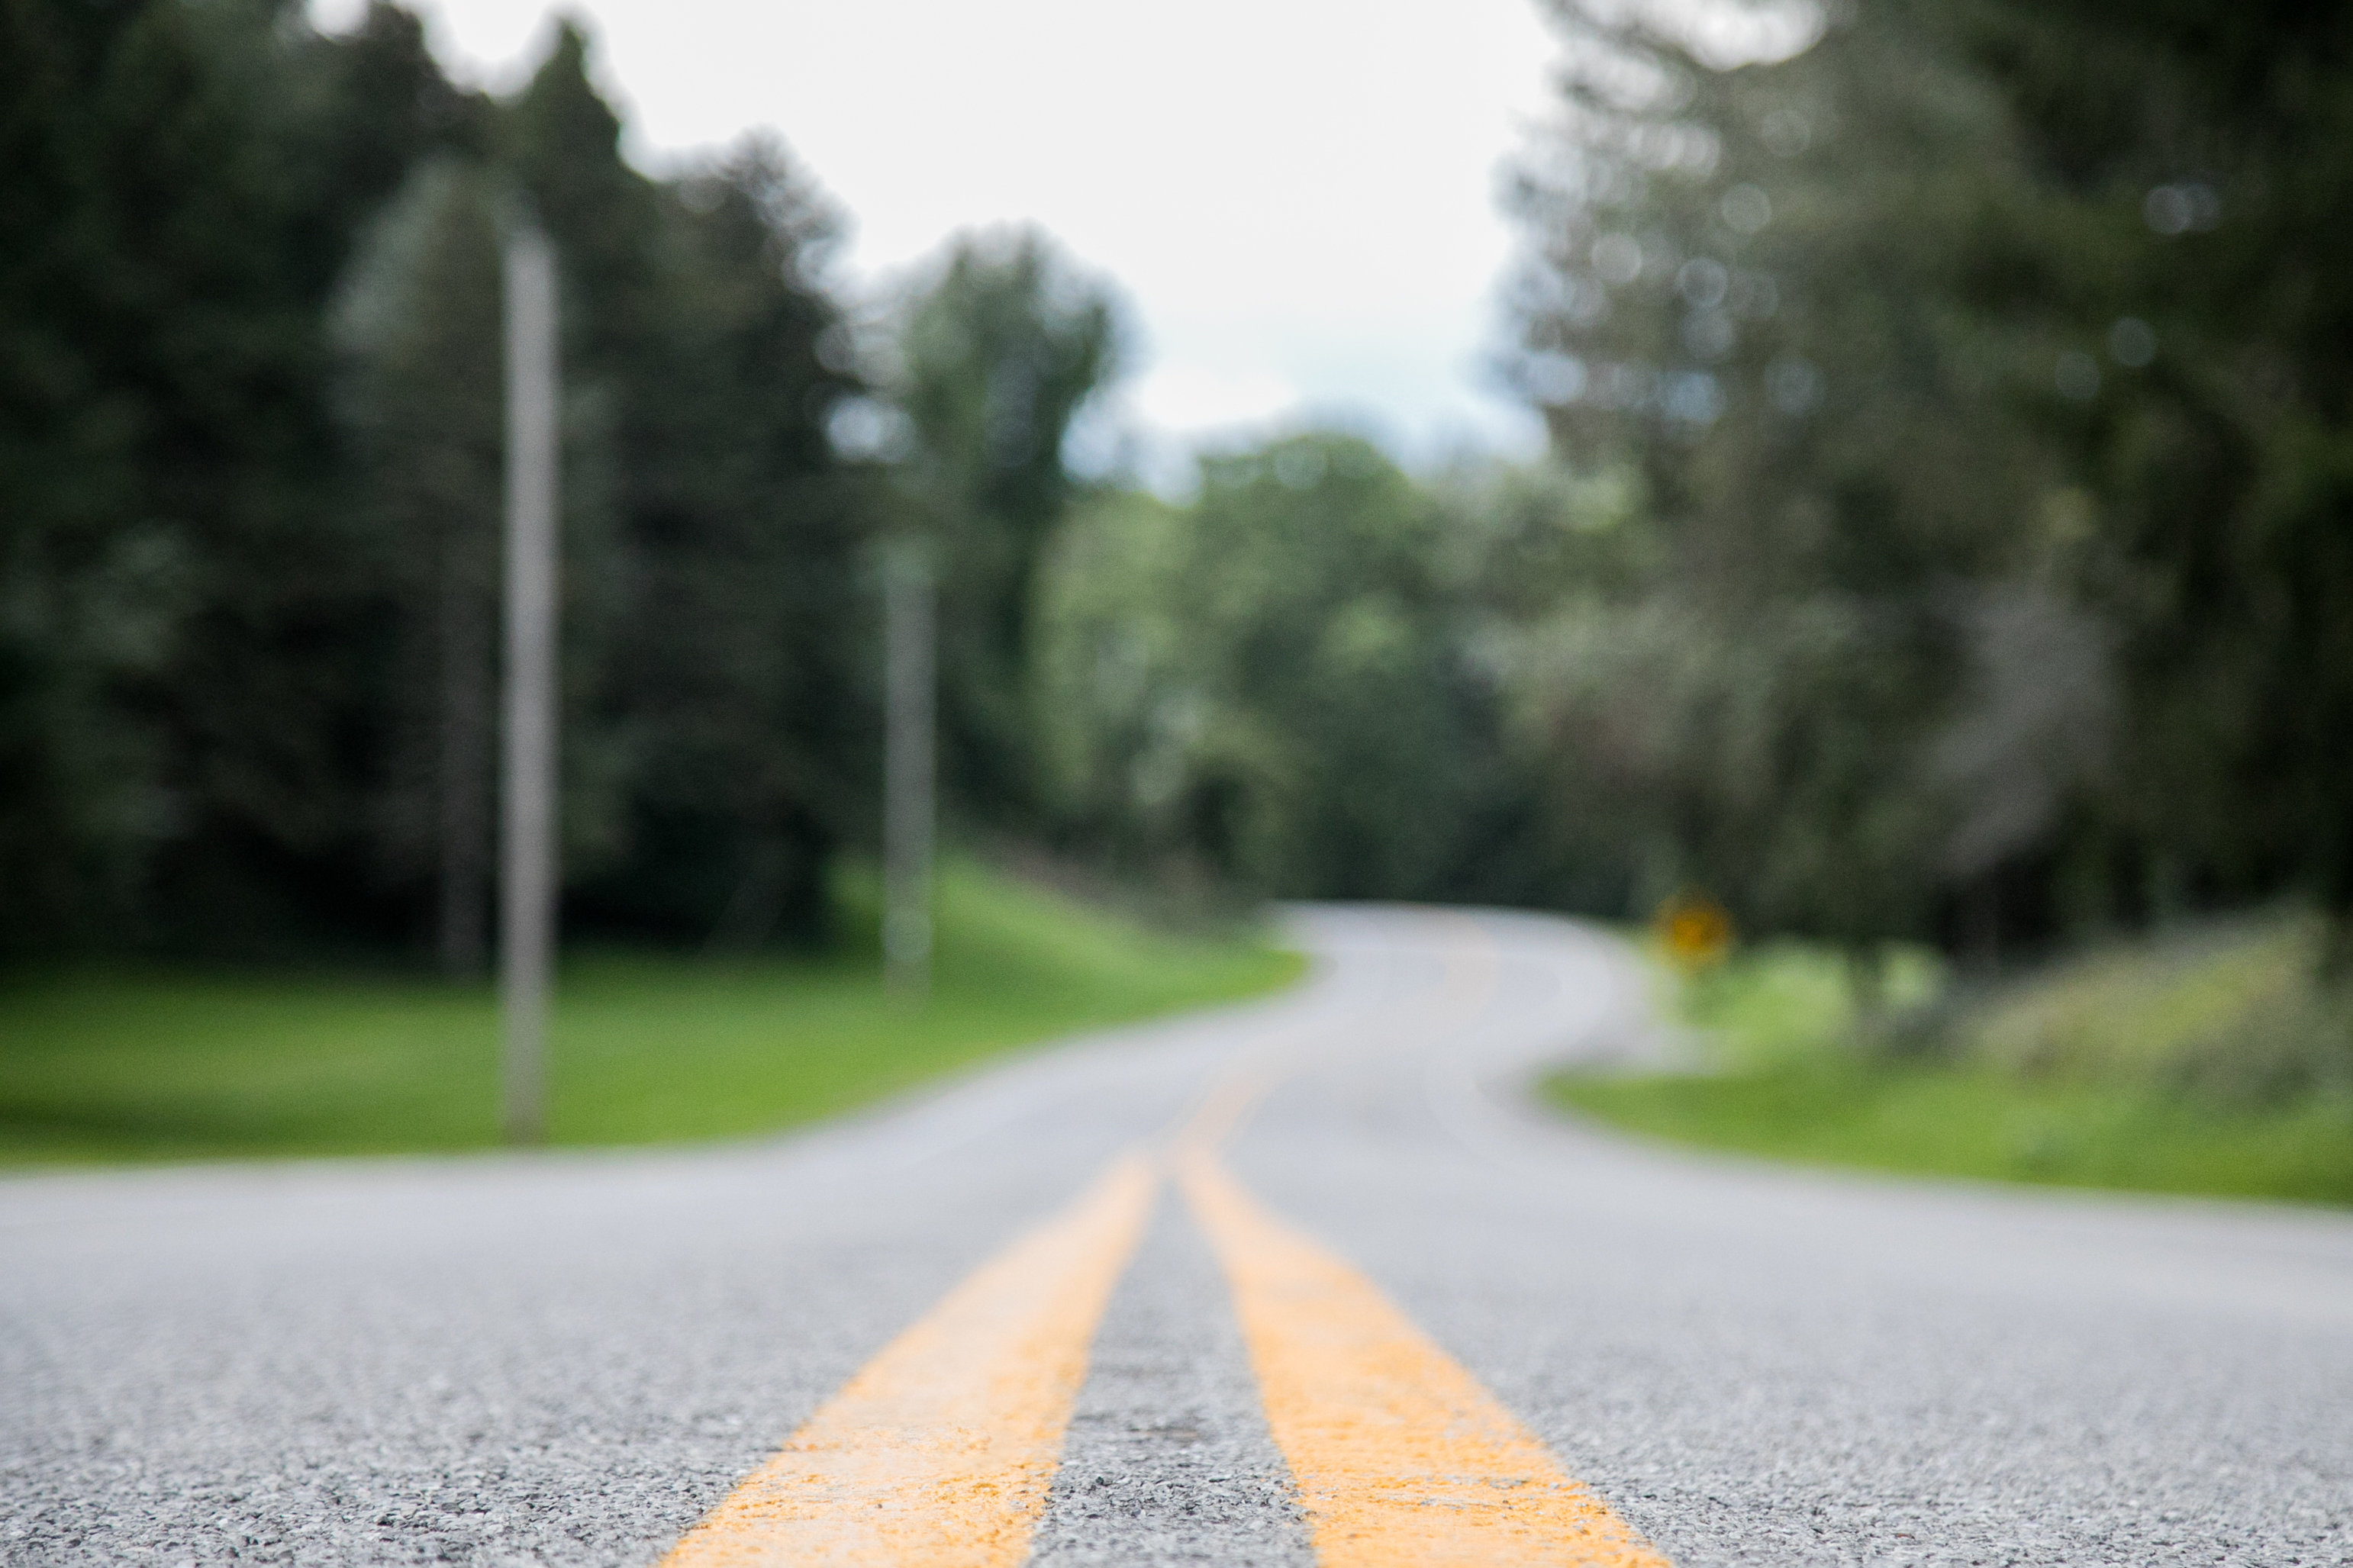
(1297, 197)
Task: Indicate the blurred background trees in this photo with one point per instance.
(991, 360)
(252, 449)
(189, 608)
(419, 327)
(1273, 687)
(1944, 534)
(1960, 355)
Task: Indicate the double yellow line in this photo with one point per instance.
(942, 1450)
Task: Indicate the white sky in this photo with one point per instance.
(1297, 197)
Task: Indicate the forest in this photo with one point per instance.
(1944, 536)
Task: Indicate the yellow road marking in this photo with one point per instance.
(1401, 1458)
(942, 1449)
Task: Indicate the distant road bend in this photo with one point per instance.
(1304, 1281)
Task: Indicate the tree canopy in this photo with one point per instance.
(1943, 536)
(249, 305)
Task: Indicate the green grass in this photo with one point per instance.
(2156, 1067)
(2226, 1011)
(1780, 1004)
(147, 1063)
(1960, 1123)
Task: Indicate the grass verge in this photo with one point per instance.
(148, 1063)
(2118, 1070)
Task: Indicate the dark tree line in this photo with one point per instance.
(249, 446)
(1982, 368)
(1948, 538)
(1946, 535)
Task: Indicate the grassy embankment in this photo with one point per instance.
(145, 1063)
(2205, 1061)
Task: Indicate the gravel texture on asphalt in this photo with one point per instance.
(564, 1359)
(1168, 1460)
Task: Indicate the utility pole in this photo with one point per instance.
(907, 767)
(528, 793)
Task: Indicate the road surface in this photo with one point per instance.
(1304, 1281)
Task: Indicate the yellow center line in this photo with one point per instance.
(942, 1449)
(1399, 1457)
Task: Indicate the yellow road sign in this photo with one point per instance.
(1694, 930)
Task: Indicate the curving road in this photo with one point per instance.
(1341, 1286)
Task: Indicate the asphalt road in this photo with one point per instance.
(569, 1358)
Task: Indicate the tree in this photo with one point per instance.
(2011, 339)
(186, 633)
(1271, 687)
(1762, 287)
(2194, 168)
(421, 323)
(996, 356)
(250, 428)
(736, 659)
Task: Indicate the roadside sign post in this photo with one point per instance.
(527, 803)
(907, 767)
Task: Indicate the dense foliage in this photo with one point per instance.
(250, 441)
(1945, 535)
(990, 360)
(1983, 376)
(1268, 687)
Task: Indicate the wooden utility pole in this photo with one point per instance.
(907, 767)
(528, 794)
